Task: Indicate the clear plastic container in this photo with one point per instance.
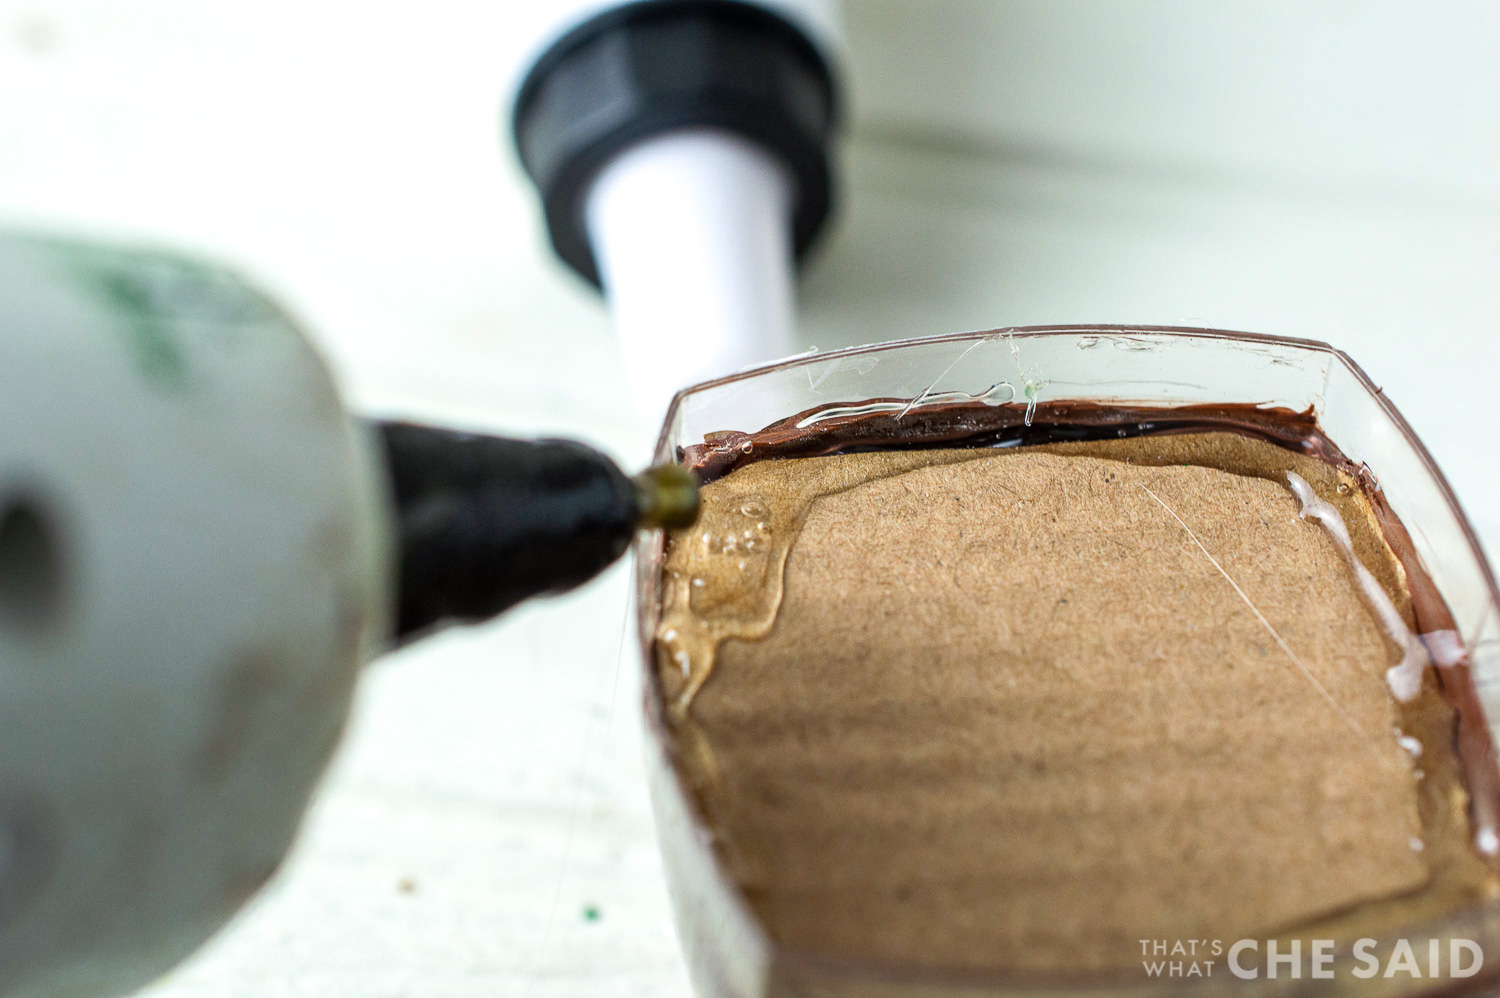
(727, 950)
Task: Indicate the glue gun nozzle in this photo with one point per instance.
(667, 496)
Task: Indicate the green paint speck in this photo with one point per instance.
(591, 913)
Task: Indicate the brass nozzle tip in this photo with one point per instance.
(668, 496)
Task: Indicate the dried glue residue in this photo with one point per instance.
(1405, 677)
(1442, 648)
(1446, 648)
(997, 394)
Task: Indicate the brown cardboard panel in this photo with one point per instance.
(1002, 710)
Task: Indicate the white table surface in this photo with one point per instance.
(1007, 164)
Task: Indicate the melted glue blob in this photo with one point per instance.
(725, 575)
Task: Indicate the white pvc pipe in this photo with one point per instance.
(692, 234)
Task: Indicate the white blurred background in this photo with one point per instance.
(1320, 169)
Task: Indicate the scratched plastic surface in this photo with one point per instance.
(1155, 366)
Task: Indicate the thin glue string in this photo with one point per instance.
(585, 765)
(1261, 617)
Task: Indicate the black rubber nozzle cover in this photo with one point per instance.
(642, 69)
(484, 522)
